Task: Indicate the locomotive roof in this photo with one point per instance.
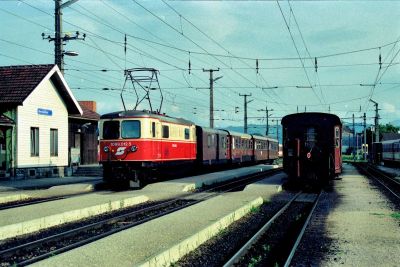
(311, 116)
(144, 114)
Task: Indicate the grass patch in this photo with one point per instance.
(395, 215)
(350, 158)
(255, 209)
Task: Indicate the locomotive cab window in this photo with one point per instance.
(130, 129)
(111, 130)
(165, 131)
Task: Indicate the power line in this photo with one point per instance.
(298, 53)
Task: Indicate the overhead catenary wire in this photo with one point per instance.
(298, 53)
(194, 84)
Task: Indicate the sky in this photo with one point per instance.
(344, 38)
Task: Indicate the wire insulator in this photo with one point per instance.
(257, 65)
(380, 59)
(125, 45)
(190, 65)
(316, 65)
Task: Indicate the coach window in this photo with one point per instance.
(208, 140)
(165, 131)
(130, 129)
(111, 130)
(223, 142)
(187, 133)
(337, 137)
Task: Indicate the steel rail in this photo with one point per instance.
(236, 184)
(243, 250)
(382, 173)
(300, 236)
(370, 174)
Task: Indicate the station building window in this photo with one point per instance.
(54, 142)
(34, 141)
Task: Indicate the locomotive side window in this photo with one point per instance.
(165, 131)
(111, 130)
(187, 133)
(130, 129)
(153, 129)
(208, 140)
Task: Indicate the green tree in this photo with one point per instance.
(388, 128)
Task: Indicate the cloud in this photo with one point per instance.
(389, 108)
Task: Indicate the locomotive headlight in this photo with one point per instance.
(133, 148)
(106, 149)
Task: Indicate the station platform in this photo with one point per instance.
(43, 183)
(163, 241)
(28, 219)
(11, 191)
(354, 224)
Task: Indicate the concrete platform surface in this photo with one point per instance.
(164, 240)
(353, 225)
(54, 191)
(195, 182)
(44, 182)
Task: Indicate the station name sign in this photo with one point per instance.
(46, 112)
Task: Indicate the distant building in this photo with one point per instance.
(390, 136)
(35, 102)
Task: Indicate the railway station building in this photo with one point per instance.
(83, 135)
(35, 104)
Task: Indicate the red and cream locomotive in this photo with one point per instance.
(135, 144)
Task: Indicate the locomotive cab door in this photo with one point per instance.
(156, 136)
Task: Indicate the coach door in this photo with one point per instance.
(337, 153)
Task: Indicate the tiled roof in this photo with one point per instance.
(87, 114)
(17, 82)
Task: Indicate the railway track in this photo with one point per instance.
(277, 240)
(389, 183)
(31, 249)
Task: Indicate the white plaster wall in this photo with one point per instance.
(45, 96)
